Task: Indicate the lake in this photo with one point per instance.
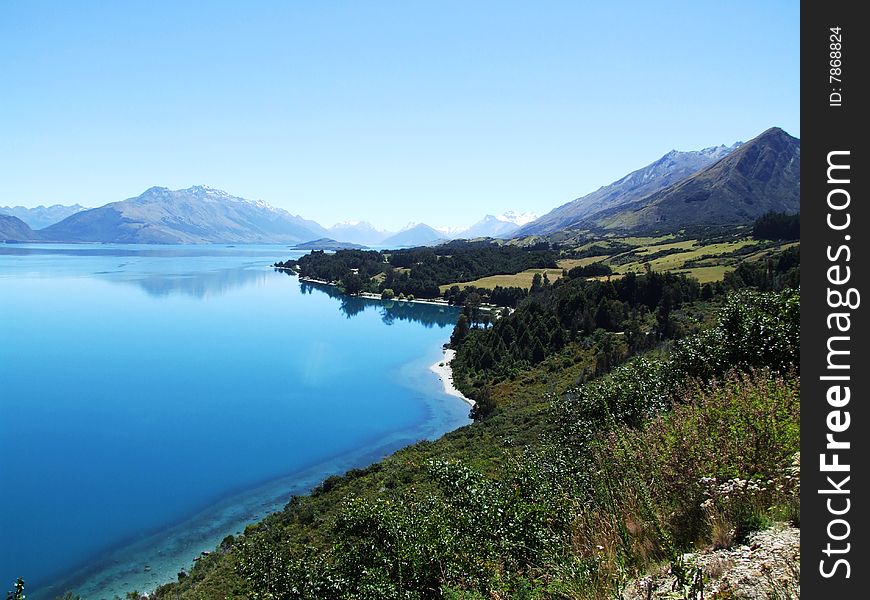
(154, 399)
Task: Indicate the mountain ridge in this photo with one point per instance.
(668, 169)
(417, 235)
(42, 216)
(760, 176)
(13, 229)
(358, 232)
(198, 214)
(498, 226)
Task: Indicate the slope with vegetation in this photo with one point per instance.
(669, 169)
(13, 229)
(762, 175)
(682, 190)
(555, 495)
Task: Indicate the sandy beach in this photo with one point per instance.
(445, 374)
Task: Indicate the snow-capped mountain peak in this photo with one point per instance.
(448, 231)
(517, 218)
(499, 226)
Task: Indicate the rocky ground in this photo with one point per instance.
(767, 566)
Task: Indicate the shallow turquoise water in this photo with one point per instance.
(154, 399)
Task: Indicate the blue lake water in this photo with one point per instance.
(154, 399)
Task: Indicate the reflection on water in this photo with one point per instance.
(188, 251)
(179, 377)
(199, 285)
(197, 271)
(428, 315)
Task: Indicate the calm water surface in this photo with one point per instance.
(155, 398)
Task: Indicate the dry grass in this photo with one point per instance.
(646, 241)
(570, 263)
(708, 274)
(651, 249)
(522, 279)
(675, 262)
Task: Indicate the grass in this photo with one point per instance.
(708, 274)
(715, 264)
(676, 261)
(522, 279)
(570, 263)
(646, 241)
(764, 253)
(708, 263)
(650, 249)
(707, 473)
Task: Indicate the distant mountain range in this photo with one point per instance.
(358, 232)
(41, 216)
(717, 185)
(201, 214)
(501, 226)
(191, 216)
(416, 235)
(13, 229)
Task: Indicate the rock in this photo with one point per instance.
(769, 566)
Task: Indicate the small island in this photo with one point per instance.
(328, 244)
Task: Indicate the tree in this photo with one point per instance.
(484, 405)
(537, 284)
(538, 352)
(663, 313)
(459, 331)
(632, 332)
(557, 338)
(604, 316)
(777, 226)
(353, 284)
(388, 294)
(472, 307)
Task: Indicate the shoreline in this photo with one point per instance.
(368, 295)
(153, 558)
(444, 372)
(148, 560)
(371, 296)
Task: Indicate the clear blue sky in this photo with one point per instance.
(436, 111)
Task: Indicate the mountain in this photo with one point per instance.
(328, 244)
(41, 216)
(195, 215)
(762, 175)
(413, 235)
(358, 232)
(669, 169)
(497, 226)
(13, 229)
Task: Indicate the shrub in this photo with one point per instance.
(711, 468)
